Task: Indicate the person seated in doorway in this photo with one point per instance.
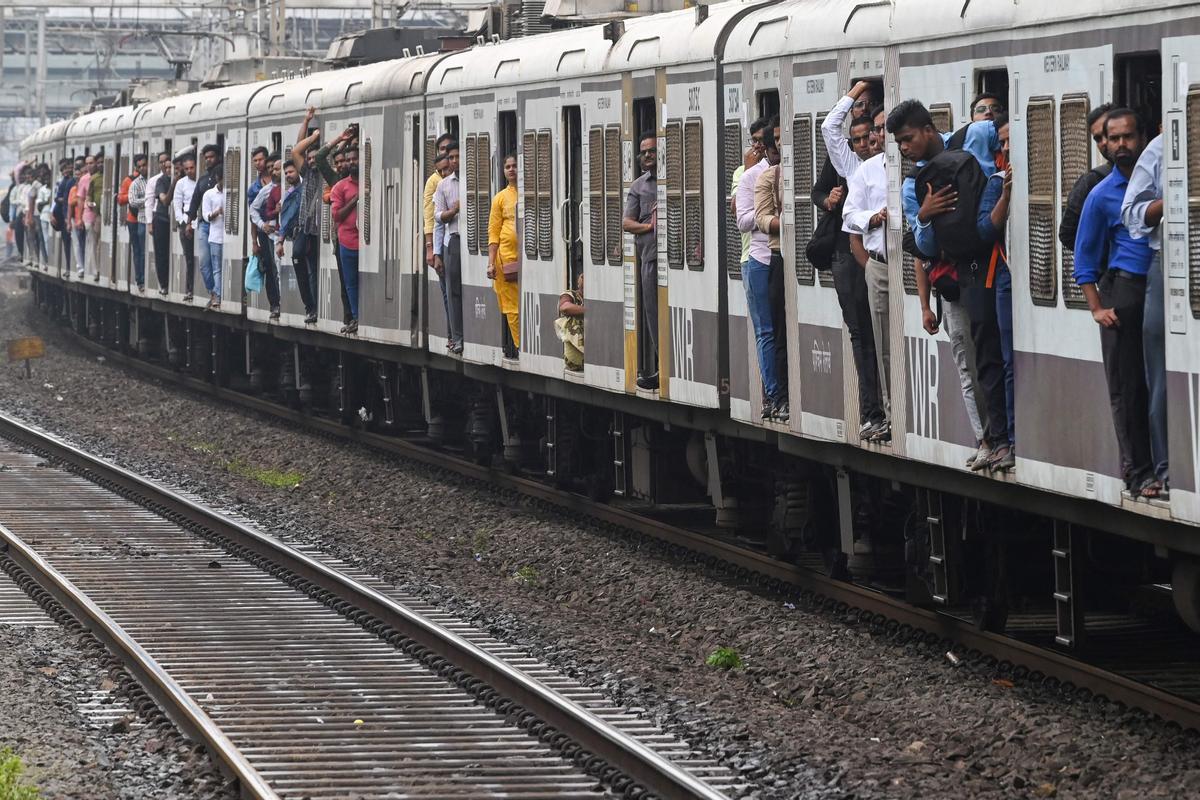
(569, 325)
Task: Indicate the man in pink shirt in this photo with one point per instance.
(343, 201)
(81, 192)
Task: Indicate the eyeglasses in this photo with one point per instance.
(644, 153)
(1098, 138)
(983, 108)
(877, 129)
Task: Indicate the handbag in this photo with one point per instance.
(821, 246)
(254, 276)
(511, 271)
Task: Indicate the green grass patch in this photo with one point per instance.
(526, 575)
(480, 543)
(203, 447)
(276, 479)
(11, 785)
(724, 658)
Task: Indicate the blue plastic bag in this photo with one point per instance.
(254, 276)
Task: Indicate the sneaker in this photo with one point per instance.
(982, 455)
(274, 314)
(347, 325)
(310, 318)
(781, 412)
(881, 433)
(456, 350)
(1003, 459)
(141, 289)
(216, 302)
(864, 430)
(767, 408)
(187, 298)
(352, 328)
(162, 292)
(648, 382)
(80, 274)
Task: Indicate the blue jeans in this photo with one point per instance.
(1004, 317)
(202, 249)
(137, 242)
(350, 275)
(210, 270)
(756, 279)
(1154, 351)
(81, 243)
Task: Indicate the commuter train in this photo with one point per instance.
(573, 104)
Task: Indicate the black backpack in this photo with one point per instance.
(956, 231)
(6, 206)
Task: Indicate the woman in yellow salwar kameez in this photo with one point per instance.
(504, 249)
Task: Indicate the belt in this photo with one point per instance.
(1127, 275)
(880, 257)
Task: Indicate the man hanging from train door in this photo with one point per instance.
(62, 194)
(181, 200)
(640, 219)
(447, 246)
(343, 207)
(306, 241)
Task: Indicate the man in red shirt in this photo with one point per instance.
(343, 201)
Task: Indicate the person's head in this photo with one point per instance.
(579, 284)
(258, 159)
(442, 141)
(752, 156)
(212, 156)
(66, 166)
(878, 130)
(860, 136)
(218, 176)
(339, 161)
(1125, 137)
(139, 164)
(89, 163)
(164, 163)
(189, 166)
(1095, 121)
(510, 169)
(648, 152)
(986, 105)
(350, 165)
(452, 157)
(273, 166)
(912, 127)
(756, 136)
(439, 165)
(1001, 123)
(771, 143)
(290, 174)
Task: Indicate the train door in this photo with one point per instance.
(482, 320)
(118, 252)
(506, 145)
(642, 283)
(739, 112)
(411, 265)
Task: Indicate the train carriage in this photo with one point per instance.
(90, 134)
(47, 145)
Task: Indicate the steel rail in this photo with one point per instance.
(174, 701)
(644, 766)
(1060, 666)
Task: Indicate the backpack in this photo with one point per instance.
(956, 231)
(6, 206)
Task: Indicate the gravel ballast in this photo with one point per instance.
(824, 707)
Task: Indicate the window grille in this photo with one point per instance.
(545, 197)
(802, 179)
(613, 201)
(596, 197)
(674, 178)
(732, 153)
(1193, 182)
(467, 191)
(693, 195)
(483, 189)
(1039, 126)
(364, 208)
(1074, 151)
(529, 153)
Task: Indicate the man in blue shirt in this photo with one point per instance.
(919, 141)
(1142, 211)
(1117, 297)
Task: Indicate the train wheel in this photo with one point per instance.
(1185, 589)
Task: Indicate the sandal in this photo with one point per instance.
(1150, 489)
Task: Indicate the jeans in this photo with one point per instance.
(756, 280)
(1004, 317)
(266, 261)
(137, 242)
(958, 328)
(1125, 364)
(81, 236)
(851, 289)
(188, 243)
(980, 303)
(211, 271)
(452, 274)
(350, 275)
(160, 229)
(877, 295)
(305, 252)
(201, 241)
(1154, 351)
(337, 257)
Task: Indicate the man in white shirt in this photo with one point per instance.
(212, 209)
(180, 203)
(447, 252)
(841, 155)
(864, 217)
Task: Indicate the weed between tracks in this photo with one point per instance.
(276, 479)
(11, 786)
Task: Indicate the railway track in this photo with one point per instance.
(1131, 662)
(302, 676)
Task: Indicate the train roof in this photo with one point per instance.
(677, 37)
(210, 104)
(562, 54)
(401, 77)
(42, 136)
(98, 123)
(330, 89)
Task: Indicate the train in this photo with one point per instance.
(573, 104)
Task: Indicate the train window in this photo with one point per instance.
(596, 209)
(1041, 154)
(993, 81)
(506, 140)
(469, 176)
(693, 196)
(644, 119)
(613, 208)
(802, 176)
(733, 240)
(529, 201)
(824, 276)
(483, 188)
(1075, 151)
(545, 196)
(674, 180)
(233, 182)
(1139, 86)
(365, 172)
(768, 103)
(452, 126)
(1193, 190)
(276, 142)
(430, 155)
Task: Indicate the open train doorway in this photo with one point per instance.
(645, 144)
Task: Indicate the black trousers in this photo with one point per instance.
(160, 229)
(266, 262)
(850, 283)
(980, 303)
(66, 248)
(1125, 369)
(778, 300)
(305, 260)
(18, 226)
(188, 243)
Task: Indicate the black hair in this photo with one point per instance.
(164, 153)
(1097, 113)
(259, 149)
(507, 156)
(272, 158)
(868, 121)
(875, 111)
(450, 145)
(445, 137)
(909, 114)
(210, 148)
(982, 95)
(768, 139)
(758, 125)
(138, 158)
(772, 123)
(439, 158)
(217, 172)
(190, 155)
(1121, 112)
(647, 135)
(62, 162)
(1000, 120)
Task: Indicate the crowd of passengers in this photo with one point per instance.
(955, 201)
